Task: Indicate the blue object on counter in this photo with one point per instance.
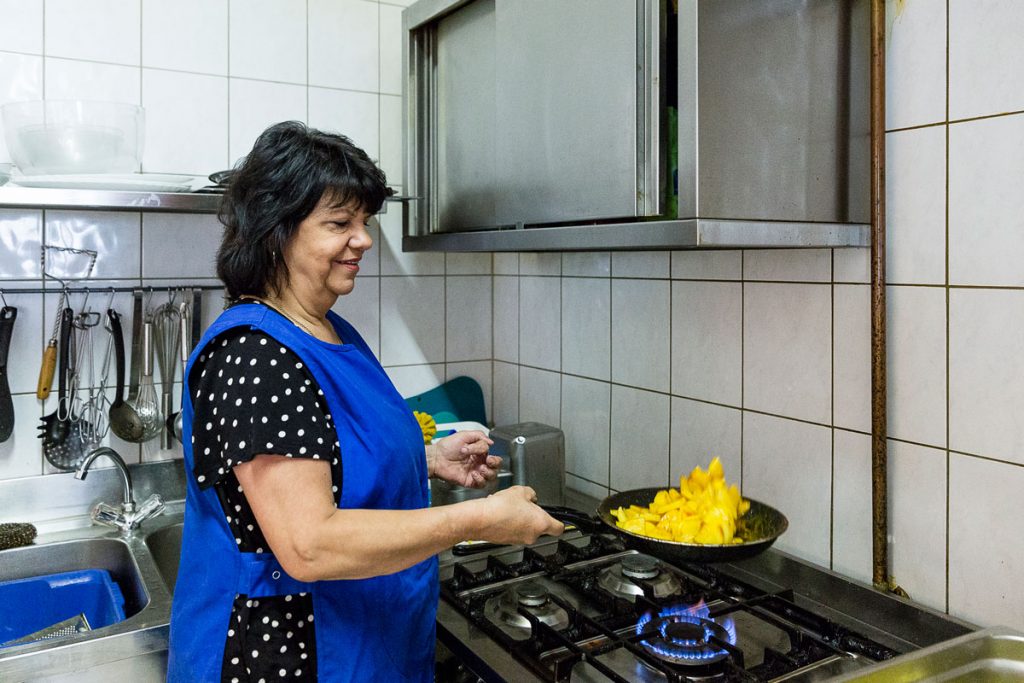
(30, 605)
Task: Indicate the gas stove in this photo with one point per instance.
(586, 608)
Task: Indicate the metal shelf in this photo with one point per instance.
(677, 234)
(13, 197)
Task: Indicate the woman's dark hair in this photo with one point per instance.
(275, 188)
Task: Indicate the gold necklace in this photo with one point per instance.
(280, 310)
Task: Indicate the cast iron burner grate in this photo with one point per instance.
(603, 628)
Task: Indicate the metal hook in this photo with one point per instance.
(4, 299)
(110, 301)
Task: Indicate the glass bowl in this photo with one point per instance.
(58, 137)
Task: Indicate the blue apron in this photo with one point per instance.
(376, 629)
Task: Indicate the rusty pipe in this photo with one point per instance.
(879, 426)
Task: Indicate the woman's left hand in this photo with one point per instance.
(462, 459)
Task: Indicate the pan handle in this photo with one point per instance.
(581, 520)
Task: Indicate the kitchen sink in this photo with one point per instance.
(110, 554)
(165, 545)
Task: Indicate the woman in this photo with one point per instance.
(308, 549)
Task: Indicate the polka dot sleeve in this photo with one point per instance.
(250, 396)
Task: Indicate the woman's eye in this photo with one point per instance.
(341, 225)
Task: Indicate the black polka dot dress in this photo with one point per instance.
(252, 396)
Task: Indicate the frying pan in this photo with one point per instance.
(758, 528)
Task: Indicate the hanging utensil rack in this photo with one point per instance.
(94, 290)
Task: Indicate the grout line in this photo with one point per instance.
(743, 362)
(832, 419)
(948, 458)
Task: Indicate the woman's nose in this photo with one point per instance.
(363, 239)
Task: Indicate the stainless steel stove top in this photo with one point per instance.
(585, 608)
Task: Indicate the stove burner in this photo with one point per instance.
(506, 610)
(627, 578)
(684, 635)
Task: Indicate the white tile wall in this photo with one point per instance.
(586, 421)
(412, 311)
(468, 318)
(185, 135)
(267, 40)
(187, 35)
(793, 265)
(639, 438)
(702, 431)
(707, 341)
(586, 327)
(343, 44)
(540, 395)
(74, 79)
(915, 210)
(851, 354)
(22, 30)
(851, 504)
(983, 56)
(255, 105)
(915, 65)
(641, 332)
(917, 364)
(98, 30)
(539, 327)
(355, 114)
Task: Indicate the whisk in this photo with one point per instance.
(167, 333)
(145, 403)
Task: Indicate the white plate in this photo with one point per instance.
(138, 182)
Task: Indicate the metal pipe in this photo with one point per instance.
(879, 427)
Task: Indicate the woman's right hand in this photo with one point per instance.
(511, 516)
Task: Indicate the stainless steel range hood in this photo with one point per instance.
(534, 125)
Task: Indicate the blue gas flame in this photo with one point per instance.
(686, 649)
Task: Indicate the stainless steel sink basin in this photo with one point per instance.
(994, 655)
(110, 554)
(165, 545)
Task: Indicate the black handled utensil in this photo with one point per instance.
(8, 314)
(124, 421)
(63, 444)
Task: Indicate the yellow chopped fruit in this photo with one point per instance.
(704, 509)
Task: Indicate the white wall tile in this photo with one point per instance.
(468, 317)
(343, 43)
(394, 261)
(540, 322)
(26, 349)
(21, 78)
(21, 235)
(986, 362)
(792, 265)
(22, 29)
(391, 37)
(255, 27)
(255, 106)
(916, 356)
(986, 206)
(641, 333)
(411, 380)
(353, 114)
(984, 54)
(467, 263)
(851, 505)
(917, 534)
(851, 353)
(361, 307)
(540, 396)
(915, 64)
(187, 35)
(985, 562)
(641, 264)
(544, 263)
(851, 265)
(398, 3)
(707, 265)
(788, 465)
(70, 79)
(115, 237)
(915, 211)
(506, 394)
(391, 139)
(185, 135)
(786, 350)
(586, 263)
(162, 237)
(707, 341)
(640, 425)
(506, 263)
(586, 327)
(482, 372)
(21, 455)
(506, 318)
(700, 432)
(410, 310)
(100, 30)
(586, 416)
(585, 487)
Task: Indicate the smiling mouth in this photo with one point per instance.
(350, 263)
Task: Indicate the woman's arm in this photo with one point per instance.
(314, 540)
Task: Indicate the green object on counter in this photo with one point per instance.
(457, 400)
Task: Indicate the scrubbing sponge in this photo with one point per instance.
(16, 534)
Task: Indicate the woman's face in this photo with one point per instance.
(323, 255)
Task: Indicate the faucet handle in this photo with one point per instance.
(127, 520)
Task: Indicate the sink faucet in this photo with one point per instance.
(126, 517)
